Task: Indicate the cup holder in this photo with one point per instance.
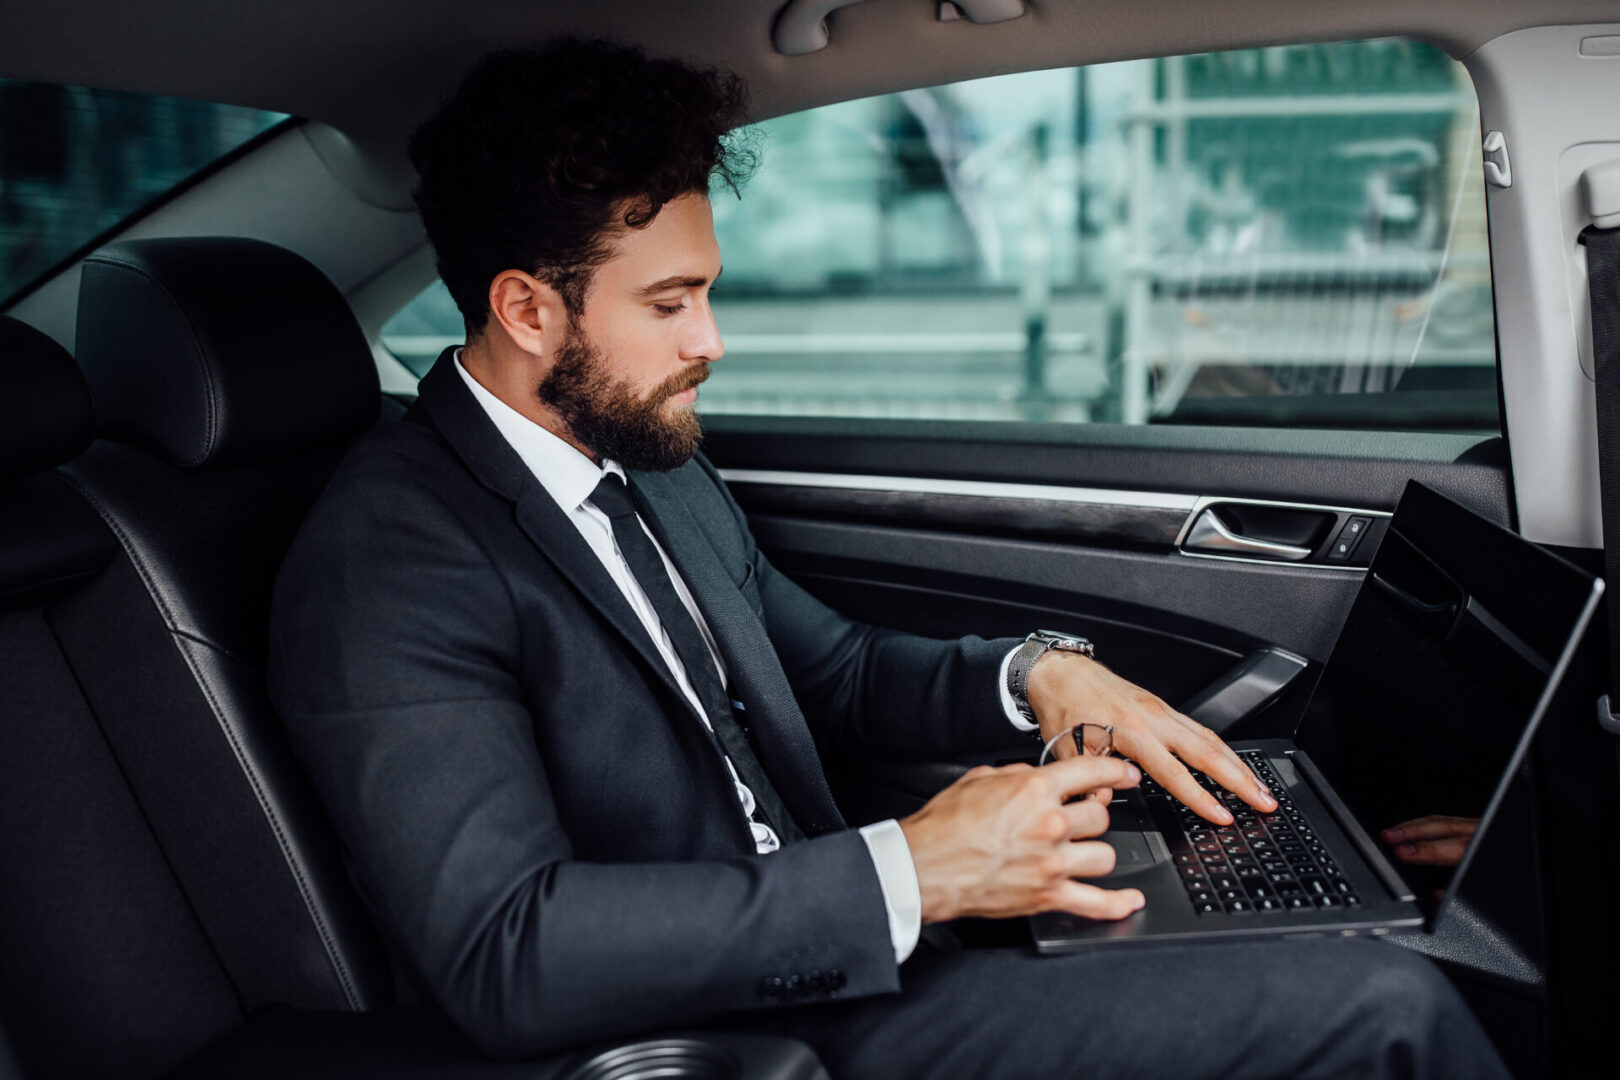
(661, 1059)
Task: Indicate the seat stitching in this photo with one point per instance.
(294, 864)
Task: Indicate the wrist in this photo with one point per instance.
(934, 900)
(1051, 682)
(1027, 689)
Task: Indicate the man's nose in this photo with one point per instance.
(704, 342)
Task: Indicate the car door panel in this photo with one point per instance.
(946, 529)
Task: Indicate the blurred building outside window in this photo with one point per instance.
(75, 162)
(1292, 235)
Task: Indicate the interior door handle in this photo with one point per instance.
(1210, 534)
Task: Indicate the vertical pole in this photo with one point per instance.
(1035, 285)
(1133, 406)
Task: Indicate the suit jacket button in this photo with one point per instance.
(771, 988)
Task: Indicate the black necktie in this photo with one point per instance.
(613, 499)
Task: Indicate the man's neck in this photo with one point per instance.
(511, 375)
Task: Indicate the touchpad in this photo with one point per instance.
(1132, 853)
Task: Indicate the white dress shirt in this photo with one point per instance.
(570, 477)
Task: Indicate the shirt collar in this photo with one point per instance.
(568, 476)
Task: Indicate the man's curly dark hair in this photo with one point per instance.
(541, 157)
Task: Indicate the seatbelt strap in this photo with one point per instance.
(1603, 285)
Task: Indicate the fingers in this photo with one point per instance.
(1432, 840)
(1447, 852)
(1431, 827)
(1086, 859)
(1173, 775)
(1091, 902)
(1085, 819)
(1081, 775)
(1204, 750)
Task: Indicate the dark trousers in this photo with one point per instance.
(1331, 1008)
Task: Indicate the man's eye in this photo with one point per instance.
(669, 309)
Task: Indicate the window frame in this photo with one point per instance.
(147, 208)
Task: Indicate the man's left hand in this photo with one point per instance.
(1066, 689)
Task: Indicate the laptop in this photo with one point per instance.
(1427, 705)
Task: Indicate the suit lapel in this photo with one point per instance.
(782, 739)
(462, 421)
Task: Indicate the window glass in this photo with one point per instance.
(75, 162)
(1291, 235)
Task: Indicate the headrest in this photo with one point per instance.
(217, 351)
(44, 404)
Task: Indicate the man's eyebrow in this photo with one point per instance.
(679, 281)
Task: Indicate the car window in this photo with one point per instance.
(75, 163)
(1281, 236)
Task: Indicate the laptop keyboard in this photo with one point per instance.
(1260, 864)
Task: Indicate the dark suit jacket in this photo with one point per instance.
(542, 828)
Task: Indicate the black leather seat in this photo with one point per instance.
(171, 893)
(106, 968)
(166, 868)
(229, 377)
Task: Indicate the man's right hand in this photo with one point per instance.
(1004, 841)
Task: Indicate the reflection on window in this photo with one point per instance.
(1279, 236)
(75, 162)
(1275, 236)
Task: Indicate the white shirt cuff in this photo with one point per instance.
(1009, 706)
(897, 876)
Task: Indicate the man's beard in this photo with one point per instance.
(611, 419)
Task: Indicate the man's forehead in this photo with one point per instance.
(677, 249)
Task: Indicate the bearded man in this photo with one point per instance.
(566, 716)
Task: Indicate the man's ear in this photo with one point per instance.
(530, 311)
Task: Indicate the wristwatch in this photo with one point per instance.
(1024, 657)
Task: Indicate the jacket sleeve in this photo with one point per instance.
(872, 692)
(395, 663)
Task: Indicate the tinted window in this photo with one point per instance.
(1278, 236)
(75, 162)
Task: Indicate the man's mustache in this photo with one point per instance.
(681, 380)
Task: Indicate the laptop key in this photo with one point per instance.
(1331, 900)
(1207, 907)
(1351, 900)
(1192, 871)
(1297, 903)
(1185, 858)
(1200, 896)
(1267, 903)
(1239, 907)
(1315, 885)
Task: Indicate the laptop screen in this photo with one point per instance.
(1438, 676)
